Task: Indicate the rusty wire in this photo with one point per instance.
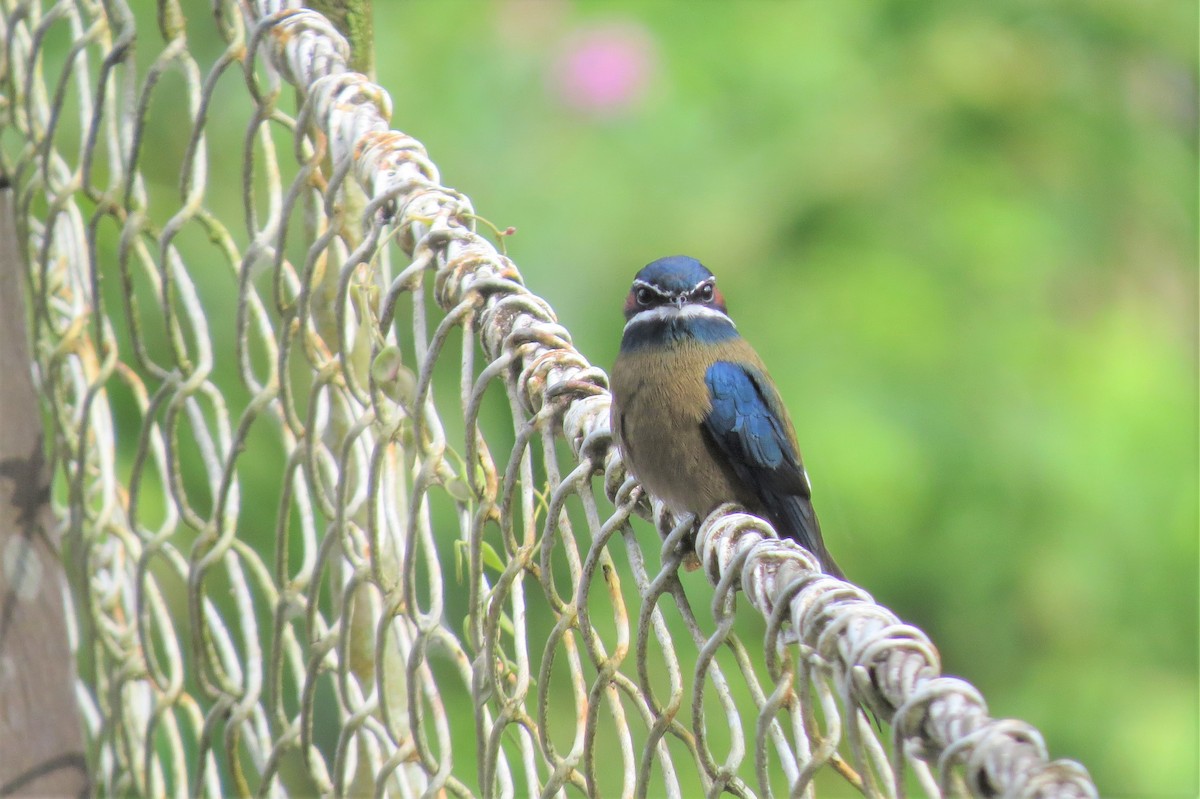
(429, 603)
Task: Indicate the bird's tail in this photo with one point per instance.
(794, 517)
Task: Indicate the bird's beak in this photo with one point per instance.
(678, 300)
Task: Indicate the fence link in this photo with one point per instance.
(340, 507)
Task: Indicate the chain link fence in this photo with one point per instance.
(340, 509)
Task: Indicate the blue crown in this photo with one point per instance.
(674, 274)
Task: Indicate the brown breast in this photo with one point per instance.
(660, 402)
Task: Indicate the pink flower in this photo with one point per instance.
(603, 70)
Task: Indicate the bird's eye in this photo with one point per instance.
(706, 292)
(644, 296)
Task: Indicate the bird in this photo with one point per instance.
(695, 415)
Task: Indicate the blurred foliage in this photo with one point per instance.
(964, 238)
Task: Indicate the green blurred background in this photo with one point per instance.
(964, 239)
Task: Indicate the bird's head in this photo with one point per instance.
(675, 287)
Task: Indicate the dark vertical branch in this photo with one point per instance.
(41, 737)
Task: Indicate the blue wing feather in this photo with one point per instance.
(748, 427)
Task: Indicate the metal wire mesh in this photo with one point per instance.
(341, 510)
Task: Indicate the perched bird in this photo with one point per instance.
(698, 420)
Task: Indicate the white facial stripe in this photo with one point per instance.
(665, 313)
(641, 284)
